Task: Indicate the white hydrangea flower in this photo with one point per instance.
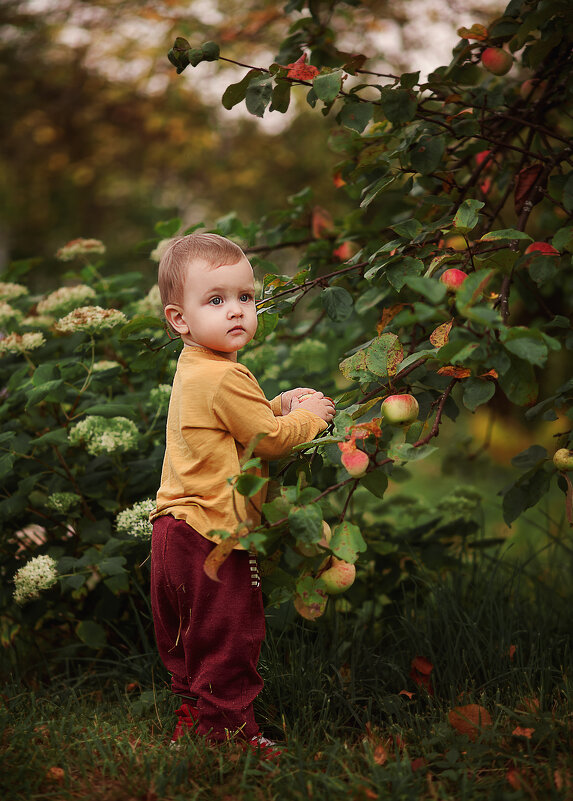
(8, 291)
(105, 434)
(40, 573)
(160, 395)
(63, 501)
(38, 321)
(91, 319)
(8, 314)
(21, 343)
(80, 247)
(135, 521)
(105, 364)
(65, 299)
(151, 303)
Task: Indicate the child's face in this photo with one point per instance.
(218, 307)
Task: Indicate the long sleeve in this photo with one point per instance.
(243, 410)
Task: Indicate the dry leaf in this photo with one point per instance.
(524, 189)
(469, 719)
(455, 372)
(407, 694)
(512, 650)
(55, 774)
(388, 315)
(441, 334)
(520, 731)
(301, 71)
(218, 555)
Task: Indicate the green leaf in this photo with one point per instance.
(543, 269)
(563, 239)
(266, 324)
(383, 355)
(405, 452)
(91, 633)
(355, 115)
(375, 482)
(434, 291)
(58, 436)
(6, 464)
(40, 393)
(467, 216)
(427, 153)
(408, 229)
(280, 99)
(398, 105)
(531, 457)
(525, 343)
(398, 271)
(327, 86)
(167, 228)
(236, 92)
(258, 94)
(519, 383)
(249, 484)
(210, 51)
(305, 523)
(147, 323)
(472, 289)
(373, 190)
(347, 542)
(337, 302)
(477, 391)
(505, 233)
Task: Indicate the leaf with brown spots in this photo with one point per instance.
(441, 334)
(218, 556)
(455, 372)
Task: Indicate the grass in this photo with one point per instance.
(333, 692)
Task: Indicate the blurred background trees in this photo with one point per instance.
(100, 138)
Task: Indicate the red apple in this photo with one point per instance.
(310, 611)
(532, 89)
(542, 247)
(355, 461)
(496, 60)
(400, 410)
(563, 459)
(339, 576)
(453, 278)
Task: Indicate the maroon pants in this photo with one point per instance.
(209, 633)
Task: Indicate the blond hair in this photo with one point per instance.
(182, 251)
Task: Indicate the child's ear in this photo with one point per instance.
(174, 316)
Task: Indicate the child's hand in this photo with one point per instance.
(318, 404)
(293, 394)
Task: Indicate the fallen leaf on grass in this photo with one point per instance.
(420, 673)
(517, 779)
(407, 694)
(55, 774)
(469, 719)
(520, 731)
(512, 650)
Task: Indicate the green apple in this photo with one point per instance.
(400, 410)
(338, 576)
(563, 459)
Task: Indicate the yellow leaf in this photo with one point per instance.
(441, 334)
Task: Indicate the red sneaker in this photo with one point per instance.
(267, 749)
(188, 716)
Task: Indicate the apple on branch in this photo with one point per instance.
(453, 278)
(563, 460)
(338, 575)
(400, 410)
(496, 60)
(543, 248)
(355, 461)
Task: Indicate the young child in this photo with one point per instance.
(209, 633)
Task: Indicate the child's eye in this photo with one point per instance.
(216, 301)
(246, 297)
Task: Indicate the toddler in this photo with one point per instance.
(209, 633)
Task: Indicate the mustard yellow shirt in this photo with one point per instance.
(216, 409)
